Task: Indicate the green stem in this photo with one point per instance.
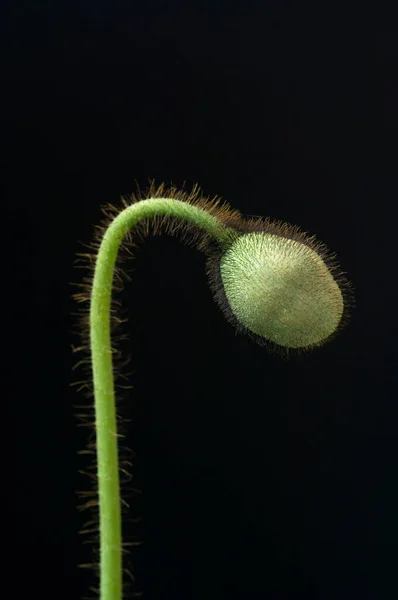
(103, 380)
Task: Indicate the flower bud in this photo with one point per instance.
(281, 289)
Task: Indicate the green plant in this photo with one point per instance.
(272, 281)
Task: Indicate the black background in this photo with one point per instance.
(262, 478)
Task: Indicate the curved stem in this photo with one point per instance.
(103, 380)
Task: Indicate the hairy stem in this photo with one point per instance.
(103, 380)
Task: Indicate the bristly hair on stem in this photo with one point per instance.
(86, 262)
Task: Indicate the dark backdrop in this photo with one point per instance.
(262, 478)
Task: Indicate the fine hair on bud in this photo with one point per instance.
(280, 286)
